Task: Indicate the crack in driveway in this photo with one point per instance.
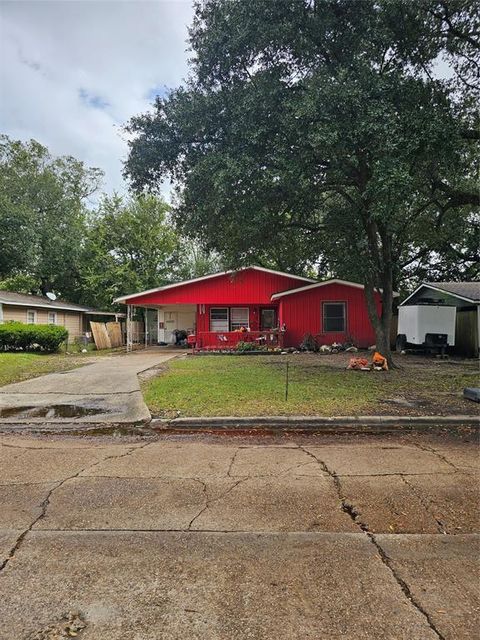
(46, 501)
(350, 509)
(209, 501)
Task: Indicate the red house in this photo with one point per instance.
(255, 304)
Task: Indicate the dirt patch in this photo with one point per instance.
(152, 373)
(70, 626)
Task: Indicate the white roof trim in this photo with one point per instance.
(212, 275)
(448, 293)
(41, 306)
(322, 284)
(59, 307)
(92, 312)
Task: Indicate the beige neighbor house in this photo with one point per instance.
(41, 310)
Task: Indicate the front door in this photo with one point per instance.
(170, 323)
(152, 326)
(268, 319)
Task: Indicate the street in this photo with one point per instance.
(239, 536)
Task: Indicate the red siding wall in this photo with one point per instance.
(247, 287)
(302, 313)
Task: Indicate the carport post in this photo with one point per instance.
(129, 328)
(146, 325)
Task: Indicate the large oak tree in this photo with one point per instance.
(324, 130)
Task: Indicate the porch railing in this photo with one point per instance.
(230, 339)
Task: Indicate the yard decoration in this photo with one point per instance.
(379, 362)
(359, 364)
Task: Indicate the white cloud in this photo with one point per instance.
(74, 72)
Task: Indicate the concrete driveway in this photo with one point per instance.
(230, 537)
(106, 391)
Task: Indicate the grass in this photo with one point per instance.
(242, 386)
(16, 367)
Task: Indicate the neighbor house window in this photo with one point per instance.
(334, 317)
(52, 317)
(238, 318)
(219, 319)
(31, 316)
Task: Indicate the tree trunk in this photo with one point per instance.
(381, 324)
(381, 270)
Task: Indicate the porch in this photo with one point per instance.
(226, 340)
(209, 326)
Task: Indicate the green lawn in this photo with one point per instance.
(226, 385)
(15, 367)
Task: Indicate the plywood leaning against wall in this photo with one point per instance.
(114, 331)
(100, 335)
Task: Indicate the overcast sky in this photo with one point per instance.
(73, 72)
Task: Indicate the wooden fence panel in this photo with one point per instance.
(466, 332)
(114, 331)
(100, 335)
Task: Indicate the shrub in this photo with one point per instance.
(309, 343)
(247, 346)
(16, 336)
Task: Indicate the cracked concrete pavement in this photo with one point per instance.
(109, 389)
(190, 536)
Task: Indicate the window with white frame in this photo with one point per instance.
(219, 319)
(238, 318)
(52, 317)
(334, 317)
(31, 316)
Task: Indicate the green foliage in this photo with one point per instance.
(42, 215)
(51, 241)
(309, 343)
(244, 347)
(16, 336)
(130, 246)
(317, 133)
(19, 282)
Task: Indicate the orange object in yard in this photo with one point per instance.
(380, 361)
(360, 364)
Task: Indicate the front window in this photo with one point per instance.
(52, 317)
(239, 318)
(31, 316)
(333, 317)
(219, 319)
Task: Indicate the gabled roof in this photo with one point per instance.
(468, 291)
(281, 294)
(27, 300)
(212, 275)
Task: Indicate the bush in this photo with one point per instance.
(16, 336)
(309, 343)
(248, 346)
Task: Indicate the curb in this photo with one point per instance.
(259, 424)
(302, 423)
